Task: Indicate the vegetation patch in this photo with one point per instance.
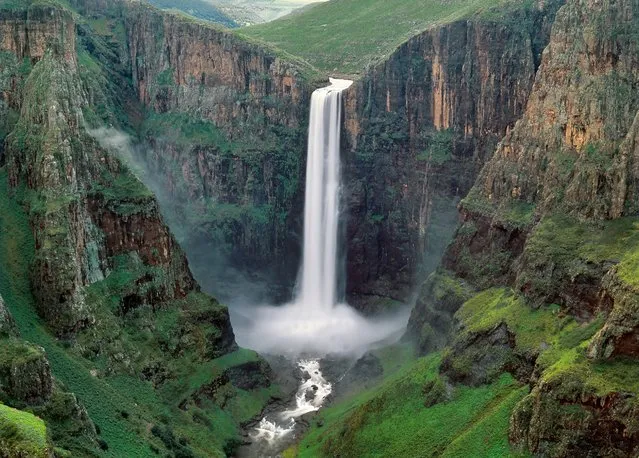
(393, 419)
(22, 434)
(563, 254)
(515, 214)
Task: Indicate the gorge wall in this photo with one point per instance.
(227, 136)
(84, 246)
(419, 127)
(549, 230)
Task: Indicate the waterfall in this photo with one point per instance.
(315, 322)
(318, 276)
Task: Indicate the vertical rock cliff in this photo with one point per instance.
(551, 221)
(419, 126)
(226, 133)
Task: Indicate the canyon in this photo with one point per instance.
(153, 168)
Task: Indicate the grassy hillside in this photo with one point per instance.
(197, 8)
(134, 418)
(344, 36)
(395, 419)
(420, 410)
(22, 434)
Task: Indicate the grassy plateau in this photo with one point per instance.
(345, 36)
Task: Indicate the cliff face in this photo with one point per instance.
(226, 136)
(552, 217)
(576, 138)
(418, 128)
(51, 151)
(95, 259)
(188, 66)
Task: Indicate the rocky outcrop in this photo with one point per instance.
(418, 128)
(25, 374)
(431, 322)
(620, 335)
(573, 149)
(7, 325)
(186, 66)
(573, 152)
(30, 32)
(565, 418)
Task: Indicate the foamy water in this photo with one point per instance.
(310, 396)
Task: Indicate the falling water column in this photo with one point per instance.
(318, 287)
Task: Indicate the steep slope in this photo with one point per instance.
(147, 351)
(552, 216)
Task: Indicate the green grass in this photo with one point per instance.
(22, 434)
(344, 36)
(560, 340)
(392, 420)
(568, 242)
(487, 436)
(511, 213)
(533, 327)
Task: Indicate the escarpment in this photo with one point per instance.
(419, 126)
(550, 225)
(84, 244)
(227, 135)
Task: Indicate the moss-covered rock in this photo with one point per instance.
(7, 324)
(431, 320)
(620, 334)
(25, 374)
(577, 409)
